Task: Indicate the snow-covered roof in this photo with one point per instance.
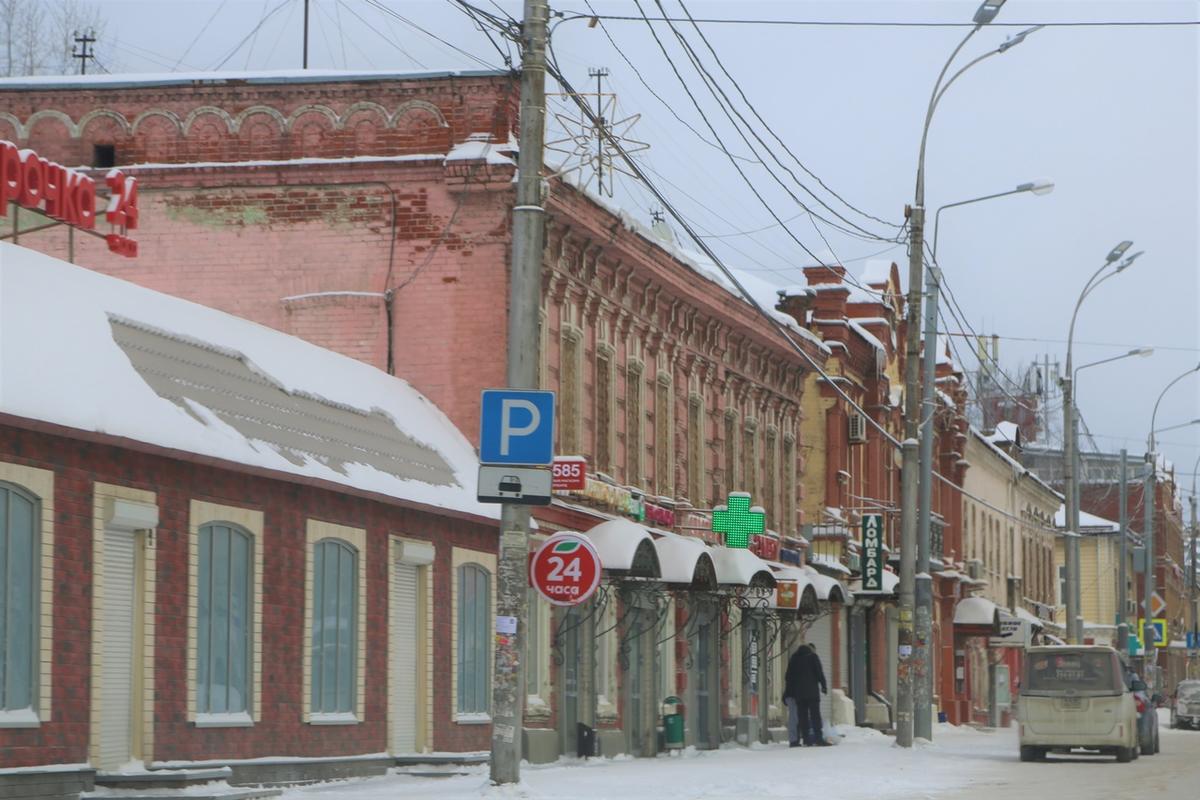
(890, 581)
(827, 588)
(1088, 523)
(1018, 468)
(139, 80)
(480, 146)
(178, 375)
(876, 271)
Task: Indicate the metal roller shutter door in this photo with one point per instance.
(116, 650)
(820, 635)
(404, 659)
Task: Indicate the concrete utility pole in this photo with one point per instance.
(912, 685)
(1122, 578)
(525, 288)
(83, 54)
(305, 59)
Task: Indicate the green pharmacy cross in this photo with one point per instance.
(738, 521)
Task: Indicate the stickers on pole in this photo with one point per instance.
(565, 569)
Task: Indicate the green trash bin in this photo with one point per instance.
(672, 717)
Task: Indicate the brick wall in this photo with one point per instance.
(286, 507)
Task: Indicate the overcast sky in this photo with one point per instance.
(1109, 113)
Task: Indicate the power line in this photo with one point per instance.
(380, 34)
(776, 136)
(253, 32)
(891, 24)
(199, 33)
(726, 105)
(381, 7)
(473, 14)
(554, 71)
(1040, 340)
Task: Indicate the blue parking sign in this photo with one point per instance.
(516, 426)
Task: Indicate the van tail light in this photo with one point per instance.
(1141, 705)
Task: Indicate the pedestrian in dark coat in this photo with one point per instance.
(803, 685)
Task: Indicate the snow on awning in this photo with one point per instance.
(685, 560)
(828, 588)
(739, 567)
(787, 576)
(188, 378)
(976, 615)
(890, 582)
(625, 547)
(1034, 620)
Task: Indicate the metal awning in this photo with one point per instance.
(976, 615)
(685, 560)
(827, 588)
(625, 548)
(739, 567)
(890, 581)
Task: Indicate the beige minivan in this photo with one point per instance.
(1075, 697)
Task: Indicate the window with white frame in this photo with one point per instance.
(334, 627)
(20, 570)
(474, 608)
(224, 627)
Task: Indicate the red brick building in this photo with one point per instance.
(240, 546)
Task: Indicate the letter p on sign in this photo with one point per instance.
(508, 430)
(516, 426)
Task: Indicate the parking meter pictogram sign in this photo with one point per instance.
(566, 569)
(516, 427)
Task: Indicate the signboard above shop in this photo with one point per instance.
(68, 195)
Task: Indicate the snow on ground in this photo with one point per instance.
(864, 766)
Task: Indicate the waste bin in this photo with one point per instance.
(585, 741)
(672, 717)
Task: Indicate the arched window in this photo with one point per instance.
(224, 626)
(474, 609)
(334, 627)
(19, 572)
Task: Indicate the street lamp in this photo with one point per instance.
(923, 586)
(914, 675)
(1177, 427)
(1071, 549)
(1148, 498)
(1142, 352)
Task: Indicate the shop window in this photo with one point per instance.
(224, 613)
(20, 570)
(104, 155)
(334, 628)
(474, 608)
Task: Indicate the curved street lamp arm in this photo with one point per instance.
(937, 216)
(1087, 289)
(933, 98)
(1161, 395)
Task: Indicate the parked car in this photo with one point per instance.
(1147, 708)
(1076, 697)
(1185, 705)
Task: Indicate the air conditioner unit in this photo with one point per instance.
(858, 427)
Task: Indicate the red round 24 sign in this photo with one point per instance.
(565, 569)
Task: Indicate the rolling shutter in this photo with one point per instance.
(820, 635)
(116, 650)
(404, 658)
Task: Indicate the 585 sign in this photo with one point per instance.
(565, 569)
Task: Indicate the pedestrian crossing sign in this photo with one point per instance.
(1158, 627)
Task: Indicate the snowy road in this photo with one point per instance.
(963, 763)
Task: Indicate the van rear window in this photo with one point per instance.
(1082, 672)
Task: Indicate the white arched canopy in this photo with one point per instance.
(685, 560)
(625, 547)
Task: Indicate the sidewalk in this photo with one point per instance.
(864, 766)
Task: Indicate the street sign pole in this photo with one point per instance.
(525, 287)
